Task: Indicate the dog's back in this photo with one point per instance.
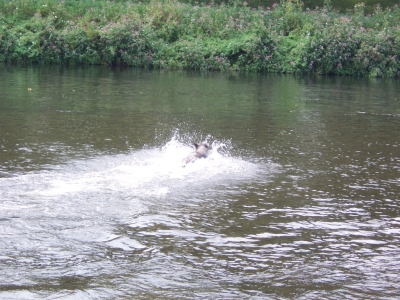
(200, 152)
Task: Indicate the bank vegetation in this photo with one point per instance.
(283, 38)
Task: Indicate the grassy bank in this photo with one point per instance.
(341, 5)
(285, 38)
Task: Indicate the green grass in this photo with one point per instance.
(286, 38)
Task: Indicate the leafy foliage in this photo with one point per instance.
(284, 38)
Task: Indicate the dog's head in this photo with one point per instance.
(201, 150)
(201, 145)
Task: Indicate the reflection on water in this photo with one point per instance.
(298, 198)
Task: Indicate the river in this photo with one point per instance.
(298, 199)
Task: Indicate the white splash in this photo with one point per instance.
(111, 184)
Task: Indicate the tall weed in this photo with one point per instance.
(169, 34)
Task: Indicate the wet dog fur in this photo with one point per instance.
(200, 152)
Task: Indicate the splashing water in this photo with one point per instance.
(107, 185)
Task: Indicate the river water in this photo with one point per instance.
(298, 199)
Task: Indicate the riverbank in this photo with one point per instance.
(285, 38)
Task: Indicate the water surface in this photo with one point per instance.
(299, 198)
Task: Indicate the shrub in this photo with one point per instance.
(283, 38)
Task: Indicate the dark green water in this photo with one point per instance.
(298, 199)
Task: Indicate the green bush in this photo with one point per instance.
(284, 38)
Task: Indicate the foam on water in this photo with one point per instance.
(109, 184)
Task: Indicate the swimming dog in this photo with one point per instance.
(200, 152)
